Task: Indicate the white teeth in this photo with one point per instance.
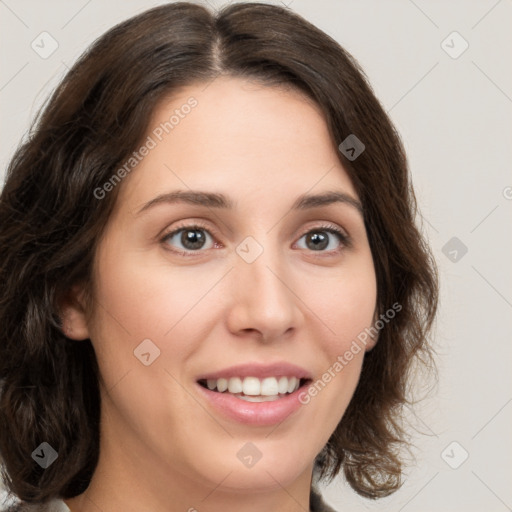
(269, 386)
(266, 389)
(222, 385)
(292, 384)
(251, 386)
(235, 385)
(282, 386)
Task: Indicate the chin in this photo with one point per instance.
(247, 468)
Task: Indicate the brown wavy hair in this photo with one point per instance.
(51, 222)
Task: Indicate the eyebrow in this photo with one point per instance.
(217, 200)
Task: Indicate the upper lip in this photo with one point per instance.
(279, 369)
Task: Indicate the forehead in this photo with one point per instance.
(239, 137)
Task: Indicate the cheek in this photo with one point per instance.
(145, 296)
(344, 302)
(137, 300)
(142, 297)
(345, 305)
(352, 308)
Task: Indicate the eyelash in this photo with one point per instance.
(329, 228)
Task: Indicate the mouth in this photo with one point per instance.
(254, 394)
(254, 389)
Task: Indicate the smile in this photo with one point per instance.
(253, 389)
(254, 394)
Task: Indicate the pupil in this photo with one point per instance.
(318, 240)
(192, 239)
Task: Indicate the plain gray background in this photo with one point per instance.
(454, 115)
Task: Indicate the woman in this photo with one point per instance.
(212, 284)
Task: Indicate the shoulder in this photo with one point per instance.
(316, 502)
(51, 506)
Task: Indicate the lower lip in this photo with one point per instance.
(253, 413)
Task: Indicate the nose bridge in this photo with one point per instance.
(263, 295)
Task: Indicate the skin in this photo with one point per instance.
(163, 447)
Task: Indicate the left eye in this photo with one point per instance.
(193, 238)
(319, 239)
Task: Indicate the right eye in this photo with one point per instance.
(192, 238)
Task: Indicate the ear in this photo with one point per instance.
(373, 337)
(371, 342)
(73, 315)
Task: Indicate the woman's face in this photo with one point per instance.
(260, 289)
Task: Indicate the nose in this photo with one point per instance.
(264, 301)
